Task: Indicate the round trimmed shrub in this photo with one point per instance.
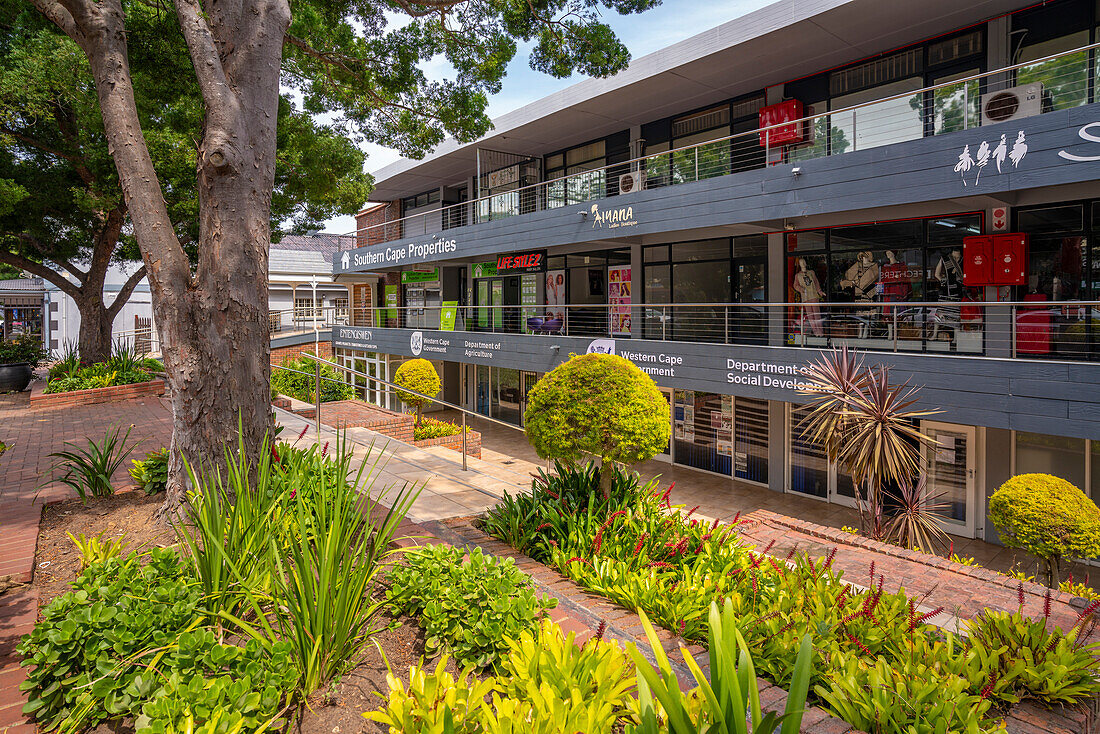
(597, 405)
(418, 375)
(1048, 517)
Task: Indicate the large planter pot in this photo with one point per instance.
(15, 377)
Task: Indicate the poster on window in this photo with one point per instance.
(555, 301)
(618, 298)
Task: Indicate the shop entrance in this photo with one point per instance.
(949, 468)
(527, 381)
(499, 300)
(809, 471)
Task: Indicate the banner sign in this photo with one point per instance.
(448, 315)
(420, 276)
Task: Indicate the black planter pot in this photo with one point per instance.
(15, 377)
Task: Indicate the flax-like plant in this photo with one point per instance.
(731, 699)
(866, 425)
(916, 523)
(228, 525)
(89, 470)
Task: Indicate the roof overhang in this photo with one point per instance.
(787, 40)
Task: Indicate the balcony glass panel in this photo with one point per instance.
(957, 106)
(882, 123)
(1065, 79)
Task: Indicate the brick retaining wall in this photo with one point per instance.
(40, 399)
(323, 350)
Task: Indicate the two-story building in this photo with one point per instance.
(917, 181)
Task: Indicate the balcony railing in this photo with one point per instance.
(920, 112)
(1066, 330)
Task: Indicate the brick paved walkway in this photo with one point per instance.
(31, 435)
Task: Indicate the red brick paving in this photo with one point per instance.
(31, 434)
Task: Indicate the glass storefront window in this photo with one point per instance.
(1065, 79)
(701, 283)
(809, 466)
(1063, 457)
(750, 443)
(807, 276)
(882, 123)
(702, 430)
(657, 292)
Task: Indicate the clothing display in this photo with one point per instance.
(809, 290)
(862, 277)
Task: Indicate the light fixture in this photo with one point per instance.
(796, 171)
(584, 214)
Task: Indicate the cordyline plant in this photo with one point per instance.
(868, 427)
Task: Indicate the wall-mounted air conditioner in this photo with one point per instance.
(631, 182)
(1013, 103)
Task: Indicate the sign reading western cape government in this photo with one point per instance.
(709, 367)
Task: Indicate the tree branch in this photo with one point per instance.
(43, 272)
(204, 56)
(124, 293)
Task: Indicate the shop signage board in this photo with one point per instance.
(484, 270)
(511, 263)
(391, 295)
(420, 276)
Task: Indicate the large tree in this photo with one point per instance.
(345, 57)
(72, 222)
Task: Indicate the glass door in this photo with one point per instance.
(949, 472)
(666, 454)
(527, 381)
(749, 322)
(808, 470)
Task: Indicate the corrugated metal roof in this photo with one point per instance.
(22, 285)
(308, 253)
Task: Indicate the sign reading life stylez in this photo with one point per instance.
(521, 262)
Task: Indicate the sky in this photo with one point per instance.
(644, 33)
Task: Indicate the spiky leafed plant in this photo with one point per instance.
(916, 523)
(866, 425)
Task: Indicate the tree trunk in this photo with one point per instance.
(94, 338)
(607, 475)
(1054, 575)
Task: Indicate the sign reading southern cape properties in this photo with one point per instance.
(420, 276)
(522, 262)
(485, 270)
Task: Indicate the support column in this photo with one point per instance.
(777, 446)
(777, 289)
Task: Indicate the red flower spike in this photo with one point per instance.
(542, 527)
(598, 542)
(830, 557)
(641, 542)
(860, 645)
(872, 572)
(736, 518)
(768, 547)
(928, 615)
(611, 519)
(1020, 593)
(304, 429)
(660, 564)
(1046, 605)
(714, 526)
(692, 511)
(324, 450)
(988, 689)
(600, 631)
(575, 558)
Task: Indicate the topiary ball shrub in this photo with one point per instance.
(418, 375)
(597, 405)
(1048, 517)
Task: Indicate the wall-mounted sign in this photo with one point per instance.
(485, 270)
(390, 311)
(778, 114)
(503, 177)
(974, 162)
(523, 262)
(999, 218)
(420, 276)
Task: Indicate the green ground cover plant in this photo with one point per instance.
(469, 609)
(264, 600)
(151, 473)
(877, 663)
(433, 428)
(304, 386)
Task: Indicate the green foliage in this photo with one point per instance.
(1046, 516)
(645, 555)
(126, 643)
(1028, 660)
(599, 405)
(26, 349)
(729, 694)
(151, 473)
(3, 448)
(433, 428)
(469, 608)
(547, 684)
(303, 387)
(283, 551)
(89, 470)
(418, 375)
(95, 549)
(124, 367)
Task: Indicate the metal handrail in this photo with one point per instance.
(318, 361)
(653, 156)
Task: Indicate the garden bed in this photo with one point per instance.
(150, 388)
(343, 414)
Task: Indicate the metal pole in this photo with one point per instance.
(317, 394)
(966, 104)
(464, 440)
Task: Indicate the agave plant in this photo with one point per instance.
(866, 425)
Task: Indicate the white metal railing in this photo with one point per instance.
(1068, 330)
(923, 111)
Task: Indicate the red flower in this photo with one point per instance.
(641, 542)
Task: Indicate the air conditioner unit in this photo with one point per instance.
(1013, 103)
(631, 182)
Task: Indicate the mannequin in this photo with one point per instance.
(862, 278)
(895, 288)
(949, 272)
(809, 290)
